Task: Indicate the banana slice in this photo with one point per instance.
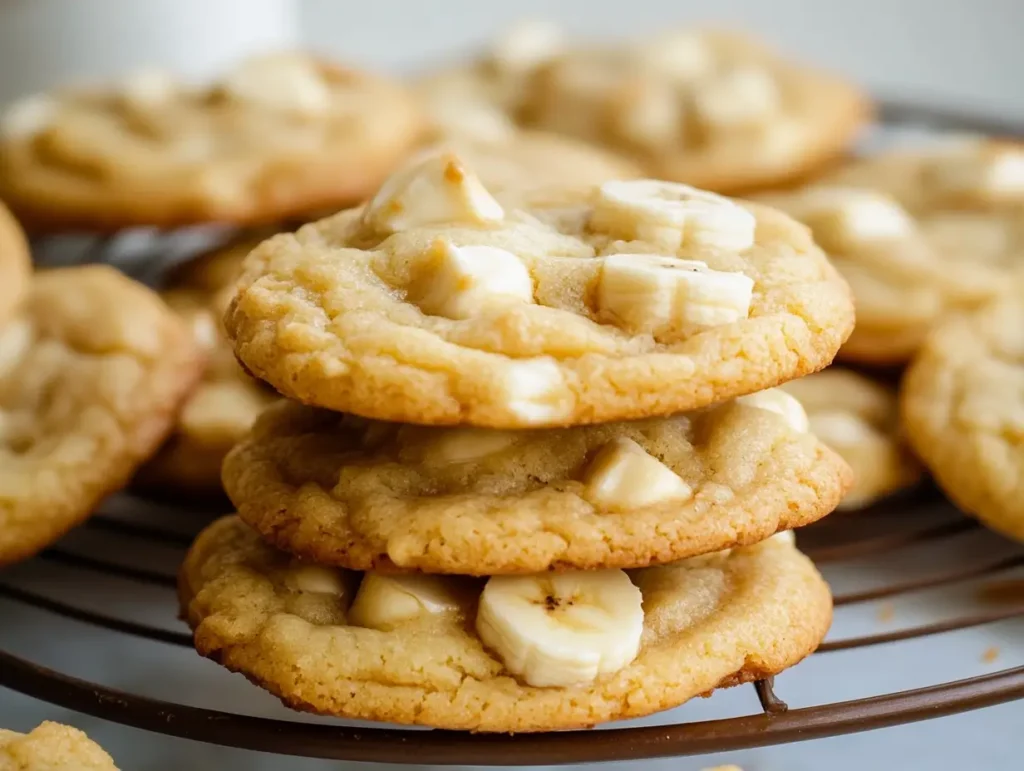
(562, 629)
(461, 445)
(671, 215)
(739, 97)
(315, 579)
(460, 281)
(667, 297)
(624, 476)
(527, 45)
(778, 401)
(385, 601)
(434, 189)
(845, 218)
(280, 82)
(28, 116)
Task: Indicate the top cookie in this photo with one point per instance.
(963, 407)
(15, 265)
(52, 747)
(276, 137)
(714, 109)
(436, 304)
(918, 234)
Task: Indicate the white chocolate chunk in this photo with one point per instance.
(624, 476)
(315, 579)
(461, 281)
(664, 296)
(15, 341)
(28, 117)
(461, 445)
(778, 401)
(215, 411)
(737, 98)
(671, 215)
(841, 429)
(534, 391)
(683, 56)
(785, 536)
(527, 45)
(993, 173)
(846, 218)
(650, 116)
(283, 82)
(386, 601)
(435, 189)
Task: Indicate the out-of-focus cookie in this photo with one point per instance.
(368, 495)
(918, 234)
(52, 747)
(512, 654)
(224, 405)
(718, 110)
(15, 264)
(275, 137)
(92, 371)
(963, 409)
(859, 419)
(437, 303)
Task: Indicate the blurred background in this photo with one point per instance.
(957, 53)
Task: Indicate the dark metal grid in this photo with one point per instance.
(777, 723)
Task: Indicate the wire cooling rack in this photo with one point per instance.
(115, 578)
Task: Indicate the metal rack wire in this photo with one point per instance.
(884, 535)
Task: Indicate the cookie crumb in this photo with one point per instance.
(991, 654)
(886, 612)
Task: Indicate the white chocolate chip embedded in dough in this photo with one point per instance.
(841, 429)
(624, 476)
(282, 82)
(28, 117)
(435, 189)
(15, 340)
(987, 172)
(846, 218)
(737, 98)
(534, 391)
(461, 281)
(778, 401)
(386, 601)
(527, 45)
(461, 445)
(663, 296)
(649, 116)
(671, 215)
(315, 579)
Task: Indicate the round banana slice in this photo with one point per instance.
(374, 496)
(517, 653)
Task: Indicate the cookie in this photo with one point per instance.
(963, 409)
(92, 372)
(367, 495)
(275, 137)
(502, 655)
(714, 109)
(224, 405)
(52, 747)
(859, 418)
(918, 234)
(437, 303)
(15, 264)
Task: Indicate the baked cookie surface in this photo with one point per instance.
(15, 264)
(918, 234)
(438, 304)
(369, 495)
(92, 371)
(223, 406)
(52, 747)
(963, 408)
(277, 136)
(717, 110)
(411, 649)
(859, 418)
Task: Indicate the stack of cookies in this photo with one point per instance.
(532, 472)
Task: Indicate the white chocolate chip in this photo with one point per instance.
(461, 445)
(527, 45)
(315, 579)
(283, 82)
(148, 88)
(625, 476)
(778, 401)
(846, 218)
(841, 429)
(737, 98)
(534, 391)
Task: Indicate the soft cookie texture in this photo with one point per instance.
(859, 418)
(92, 371)
(223, 406)
(437, 304)
(15, 265)
(714, 622)
(370, 495)
(963, 408)
(919, 234)
(277, 136)
(52, 747)
(715, 109)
